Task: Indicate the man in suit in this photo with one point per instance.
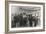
(21, 19)
(35, 19)
(30, 20)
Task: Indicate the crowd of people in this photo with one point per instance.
(24, 20)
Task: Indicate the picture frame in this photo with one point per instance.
(21, 4)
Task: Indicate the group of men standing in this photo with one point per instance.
(24, 20)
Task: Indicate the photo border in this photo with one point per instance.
(7, 16)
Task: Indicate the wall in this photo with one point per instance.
(2, 17)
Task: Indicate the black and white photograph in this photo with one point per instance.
(25, 16)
